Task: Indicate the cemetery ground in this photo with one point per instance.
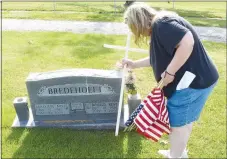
(25, 52)
(198, 13)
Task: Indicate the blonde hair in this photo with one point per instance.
(140, 17)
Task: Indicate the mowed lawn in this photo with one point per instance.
(25, 52)
(198, 13)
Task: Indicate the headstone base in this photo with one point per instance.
(133, 102)
(72, 124)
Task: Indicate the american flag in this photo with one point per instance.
(151, 116)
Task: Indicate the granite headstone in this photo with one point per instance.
(80, 98)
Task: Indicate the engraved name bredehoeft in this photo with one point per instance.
(75, 90)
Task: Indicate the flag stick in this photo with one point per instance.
(122, 86)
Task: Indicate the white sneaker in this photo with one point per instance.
(166, 153)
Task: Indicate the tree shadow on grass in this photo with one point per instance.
(16, 134)
(71, 143)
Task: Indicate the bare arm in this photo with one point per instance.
(182, 54)
(184, 50)
(145, 62)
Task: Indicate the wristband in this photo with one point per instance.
(169, 74)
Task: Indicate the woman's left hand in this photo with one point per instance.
(167, 78)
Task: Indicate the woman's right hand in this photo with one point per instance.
(128, 62)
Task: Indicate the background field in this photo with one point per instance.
(198, 13)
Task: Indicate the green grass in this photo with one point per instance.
(207, 22)
(196, 12)
(65, 16)
(198, 9)
(195, 9)
(25, 52)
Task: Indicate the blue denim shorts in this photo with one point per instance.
(185, 105)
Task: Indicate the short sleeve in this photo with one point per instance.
(170, 34)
